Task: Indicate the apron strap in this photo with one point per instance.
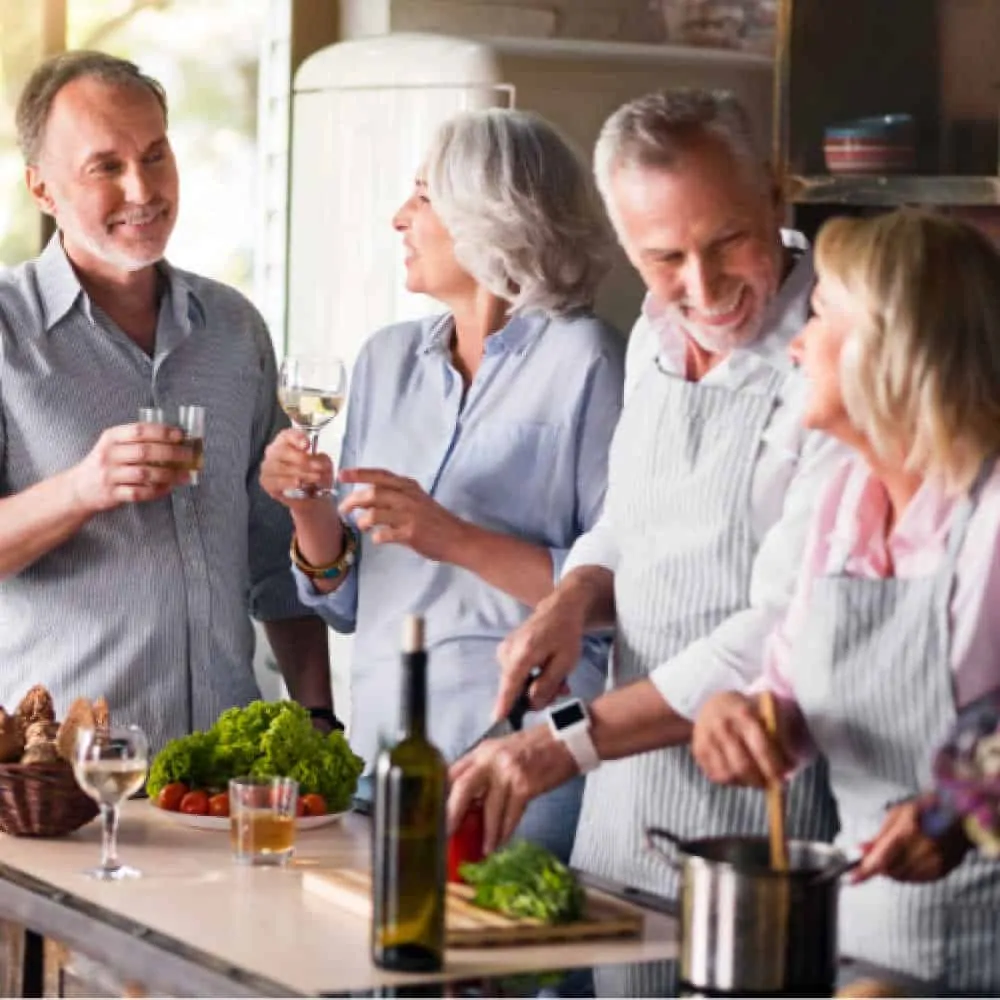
(960, 522)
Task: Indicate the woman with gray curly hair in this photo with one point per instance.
(475, 449)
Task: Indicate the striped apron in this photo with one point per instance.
(872, 673)
(680, 476)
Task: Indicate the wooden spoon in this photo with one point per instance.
(775, 794)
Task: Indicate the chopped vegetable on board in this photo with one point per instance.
(526, 880)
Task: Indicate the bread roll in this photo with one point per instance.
(80, 716)
(41, 752)
(36, 706)
(102, 715)
(11, 738)
(40, 732)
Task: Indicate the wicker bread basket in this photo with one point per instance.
(42, 800)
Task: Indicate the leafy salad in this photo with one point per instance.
(265, 739)
(526, 880)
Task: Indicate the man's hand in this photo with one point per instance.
(551, 639)
(130, 464)
(732, 746)
(902, 851)
(394, 509)
(288, 464)
(505, 775)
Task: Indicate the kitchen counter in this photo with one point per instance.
(196, 924)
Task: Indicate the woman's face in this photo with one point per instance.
(817, 350)
(431, 267)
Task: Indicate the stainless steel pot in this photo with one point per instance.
(747, 929)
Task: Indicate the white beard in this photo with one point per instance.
(719, 341)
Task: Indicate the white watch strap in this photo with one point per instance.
(579, 743)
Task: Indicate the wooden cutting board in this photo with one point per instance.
(470, 926)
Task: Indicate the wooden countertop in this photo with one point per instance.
(258, 921)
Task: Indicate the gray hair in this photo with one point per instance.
(655, 131)
(35, 102)
(521, 208)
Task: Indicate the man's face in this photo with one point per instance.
(704, 235)
(107, 174)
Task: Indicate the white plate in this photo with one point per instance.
(222, 822)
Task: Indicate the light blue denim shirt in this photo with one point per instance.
(525, 454)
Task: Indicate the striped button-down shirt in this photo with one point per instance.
(149, 603)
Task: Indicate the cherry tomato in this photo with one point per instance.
(315, 804)
(300, 808)
(170, 796)
(218, 805)
(195, 804)
(466, 843)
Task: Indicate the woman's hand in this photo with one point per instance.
(732, 745)
(902, 851)
(288, 464)
(394, 509)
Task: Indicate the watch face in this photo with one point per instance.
(567, 715)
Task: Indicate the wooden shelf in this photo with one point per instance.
(897, 189)
(632, 51)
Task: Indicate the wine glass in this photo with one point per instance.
(311, 390)
(110, 765)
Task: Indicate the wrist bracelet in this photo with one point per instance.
(327, 715)
(331, 571)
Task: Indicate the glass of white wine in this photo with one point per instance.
(311, 390)
(110, 765)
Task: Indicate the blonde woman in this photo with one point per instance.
(476, 445)
(893, 627)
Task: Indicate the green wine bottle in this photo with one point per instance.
(409, 844)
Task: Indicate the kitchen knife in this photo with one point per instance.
(514, 719)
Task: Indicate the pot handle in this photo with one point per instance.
(653, 833)
(837, 871)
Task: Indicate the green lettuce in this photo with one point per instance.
(265, 739)
(526, 880)
(192, 759)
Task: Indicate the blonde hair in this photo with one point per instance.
(920, 370)
(521, 208)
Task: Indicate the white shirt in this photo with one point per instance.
(791, 468)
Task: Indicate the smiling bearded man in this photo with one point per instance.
(711, 478)
(116, 577)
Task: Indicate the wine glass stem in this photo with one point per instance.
(109, 837)
(313, 436)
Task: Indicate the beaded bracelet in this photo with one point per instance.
(331, 571)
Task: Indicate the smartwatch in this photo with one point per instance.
(570, 724)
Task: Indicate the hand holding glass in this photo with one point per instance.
(311, 390)
(110, 765)
(191, 420)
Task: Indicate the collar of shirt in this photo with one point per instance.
(516, 336)
(858, 540)
(59, 291)
(784, 317)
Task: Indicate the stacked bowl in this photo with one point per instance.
(884, 144)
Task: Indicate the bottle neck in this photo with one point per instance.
(413, 719)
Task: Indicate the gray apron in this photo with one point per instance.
(872, 674)
(681, 468)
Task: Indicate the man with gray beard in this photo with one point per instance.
(711, 477)
(117, 576)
